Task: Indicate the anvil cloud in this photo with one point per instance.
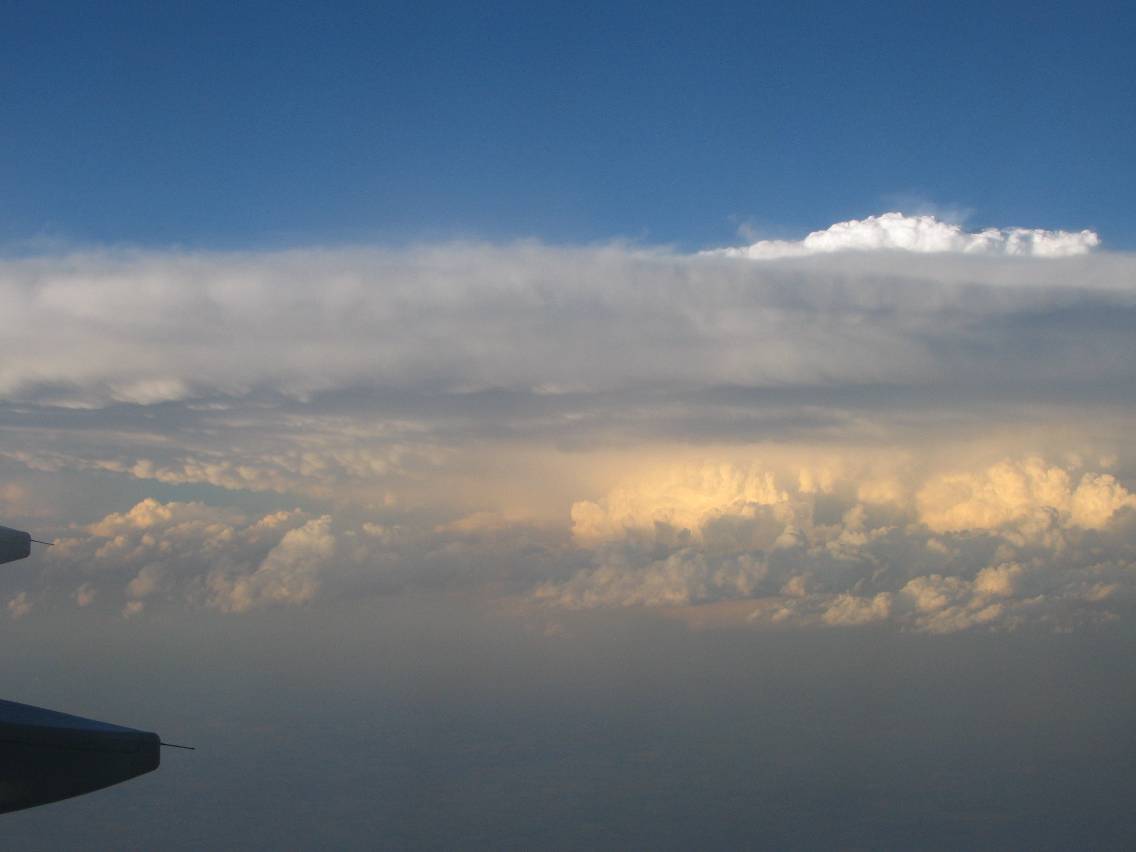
(889, 420)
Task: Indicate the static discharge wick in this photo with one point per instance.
(174, 745)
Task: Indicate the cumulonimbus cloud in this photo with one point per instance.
(1020, 541)
(924, 235)
(150, 327)
(938, 441)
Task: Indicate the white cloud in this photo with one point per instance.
(1028, 494)
(289, 574)
(921, 234)
(879, 436)
(147, 582)
(85, 595)
(999, 580)
(674, 537)
(133, 608)
(192, 553)
(848, 610)
(937, 556)
(405, 376)
(682, 578)
(19, 606)
(154, 328)
(685, 499)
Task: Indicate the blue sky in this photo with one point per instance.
(272, 124)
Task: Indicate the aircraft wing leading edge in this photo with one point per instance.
(14, 544)
(46, 756)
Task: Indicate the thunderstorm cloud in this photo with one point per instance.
(893, 420)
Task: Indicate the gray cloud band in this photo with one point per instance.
(146, 328)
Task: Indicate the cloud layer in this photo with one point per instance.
(145, 328)
(1019, 541)
(940, 443)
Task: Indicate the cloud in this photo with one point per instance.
(999, 580)
(85, 595)
(374, 375)
(681, 578)
(1028, 494)
(133, 608)
(160, 328)
(147, 582)
(684, 499)
(938, 443)
(289, 574)
(921, 234)
(1016, 542)
(847, 610)
(157, 556)
(799, 543)
(194, 554)
(19, 606)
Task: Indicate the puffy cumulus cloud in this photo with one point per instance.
(289, 574)
(169, 518)
(147, 582)
(151, 533)
(681, 578)
(1020, 541)
(263, 449)
(847, 610)
(19, 605)
(133, 608)
(923, 234)
(1028, 495)
(85, 595)
(1020, 497)
(999, 580)
(193, 554)
(820, 544)
(156, 556)
(1060, 593)
(683, 499)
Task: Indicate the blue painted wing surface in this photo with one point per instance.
(14, 544)
(46, 756)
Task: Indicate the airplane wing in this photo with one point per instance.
(46, 756)
(14, 545)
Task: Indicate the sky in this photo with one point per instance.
(252, 124)
(575, 426)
